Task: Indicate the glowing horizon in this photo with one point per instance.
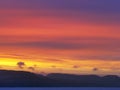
(60, 36)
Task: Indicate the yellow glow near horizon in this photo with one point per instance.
(8, 61)
(82, 66)
(13, 62)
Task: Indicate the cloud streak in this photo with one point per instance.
(101, 48)
(72, 43)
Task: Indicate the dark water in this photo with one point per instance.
(60, 88)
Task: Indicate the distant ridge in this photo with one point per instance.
(27, 79)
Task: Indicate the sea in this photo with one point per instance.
(59, 88)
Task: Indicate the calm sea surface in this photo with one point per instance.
(60, 88)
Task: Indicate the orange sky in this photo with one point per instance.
(62, 41)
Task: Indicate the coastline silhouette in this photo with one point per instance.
(27, 79)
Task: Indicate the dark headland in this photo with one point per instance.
(27, 79)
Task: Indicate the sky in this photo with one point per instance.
(60, 36)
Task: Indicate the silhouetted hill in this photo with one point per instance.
(21, 78)
(86, 80)
(27, 79)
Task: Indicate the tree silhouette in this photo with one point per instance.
(31, 68)
(21, 64)
(95, 69)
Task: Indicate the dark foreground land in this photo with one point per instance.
(27, 79)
